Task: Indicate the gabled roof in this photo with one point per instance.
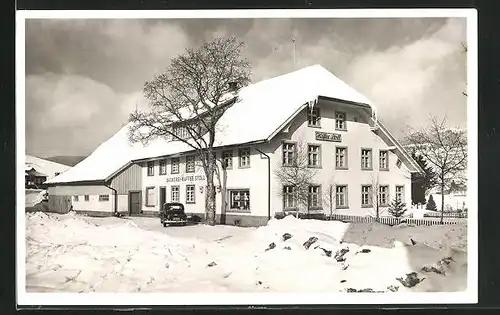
(260, 111)
(48, 168)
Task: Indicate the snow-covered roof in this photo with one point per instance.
(261, 109)
(46, 167)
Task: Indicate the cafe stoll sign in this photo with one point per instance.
(188, 178)
(328, 136)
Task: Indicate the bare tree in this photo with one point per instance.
(187, 100)
(445, 149)
(374, 195)
(329, 196)
(295, 176)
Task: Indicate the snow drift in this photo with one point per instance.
(71, 253)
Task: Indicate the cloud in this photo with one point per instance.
(70, 113)
(83, 77)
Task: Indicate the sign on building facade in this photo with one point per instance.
(328, 136)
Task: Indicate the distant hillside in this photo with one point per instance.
(66, 159)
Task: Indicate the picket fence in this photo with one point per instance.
(395, 221)
(446, 215)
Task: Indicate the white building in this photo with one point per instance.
(39, 170)
(345, 140)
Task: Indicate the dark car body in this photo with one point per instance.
(173, 214)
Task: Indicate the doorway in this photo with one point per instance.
(163, 196)
(134, 206)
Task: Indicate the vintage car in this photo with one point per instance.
(173, 214)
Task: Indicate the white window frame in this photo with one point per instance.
(150, 165)
(380, 194)
(368, 194)
(240, 194)
(289, 198)
(345, 165)
(367, 159)
(175, 190)
(314, 197)
(384, 167)
(75, 198)
(190, 164)
(175, 161)
(312, 153)
(190, 189)
(86, 198)
(313, 117)
(103, 198)
(400, 194)
(288, 148)
(340, 120)
(162, 167)
(227, 158)
(341, 191)
(244, 158)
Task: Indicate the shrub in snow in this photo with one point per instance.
(397, 208)
(271, 246)
(339, 255)
(431, 204)
(411, 280)
(286, 236)
(310, 241)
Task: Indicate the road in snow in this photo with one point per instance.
(72, 253)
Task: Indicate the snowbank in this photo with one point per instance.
(73, 253)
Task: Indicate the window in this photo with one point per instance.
(340, 158)
(86, 198)
(151, 168)
(366, 159)
(174, 168)
(314, 200)
(384, 160)
(288, 153)
(340, 123)
(313, 118)
(239, 199)
(190, 194)
(383, 196)
(150, 196)
(314, 155)
(244, 157)
(289, 200)
(366, 196)
(75, 198)
(400, 193)
(163, 167)
(341, 196)
(227, 157)
(190, 164)
(180, 132)
(175, 191)
(103, 197)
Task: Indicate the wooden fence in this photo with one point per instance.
(437, 214)
(395, 221)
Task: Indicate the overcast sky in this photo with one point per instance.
(83, 77)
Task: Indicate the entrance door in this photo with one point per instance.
(134, 198)
(163, 196)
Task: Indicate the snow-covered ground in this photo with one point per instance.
(72, 253)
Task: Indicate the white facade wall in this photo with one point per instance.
(93, 204)
(252, 178)
(358, 135)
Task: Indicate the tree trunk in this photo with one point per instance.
(442, 201)
(210, 196)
